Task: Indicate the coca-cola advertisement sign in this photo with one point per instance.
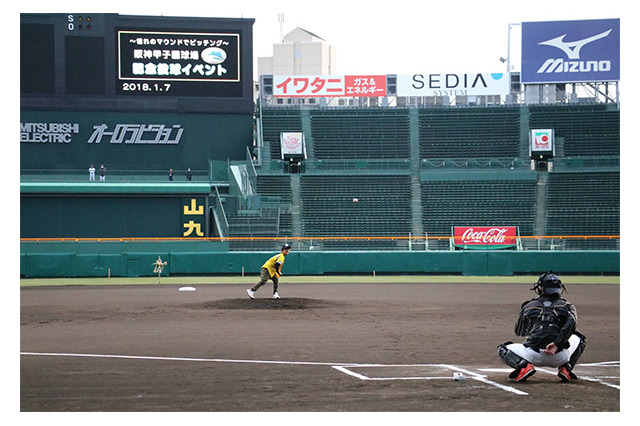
(485, 235)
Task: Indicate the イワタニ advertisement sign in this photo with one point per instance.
(542, 140)
(310, 86)
(484, 236)
(478, 84)
(571, 51)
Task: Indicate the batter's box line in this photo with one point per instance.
(471, 374)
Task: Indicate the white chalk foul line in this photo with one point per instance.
(602, 382)
(166, 358)
(602, 364)
(237, 361)
(342, 367)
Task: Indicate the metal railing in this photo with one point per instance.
(220, 216)
(76, 175)
(390, 242)
(475, 163)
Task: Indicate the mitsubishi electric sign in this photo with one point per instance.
(571, 51)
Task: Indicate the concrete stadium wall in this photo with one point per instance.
(128, 259)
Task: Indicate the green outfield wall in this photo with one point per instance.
(114, 209)
(134, 259)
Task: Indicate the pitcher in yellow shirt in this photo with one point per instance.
(271, 270)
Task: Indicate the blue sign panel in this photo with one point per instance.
(571, 51)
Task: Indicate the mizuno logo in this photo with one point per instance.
(560, 66)
(572, 49)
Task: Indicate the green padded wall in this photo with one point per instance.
(84, 259)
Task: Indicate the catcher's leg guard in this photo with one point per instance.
(573, 360)
(511, 359)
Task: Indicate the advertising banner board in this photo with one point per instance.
(316, 86)
(571, 51)
(541, 140)
(130, 140)
(485, 236)
(453, 84)
(291, 144)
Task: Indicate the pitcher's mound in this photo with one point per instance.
(290, 303)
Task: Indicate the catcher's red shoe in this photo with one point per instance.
(525, 372)
(564, 374)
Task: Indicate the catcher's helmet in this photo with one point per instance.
(549, 283)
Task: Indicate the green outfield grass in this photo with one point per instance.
(312, 279)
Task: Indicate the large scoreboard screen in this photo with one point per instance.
(150, 61)
(178, 63)
(134, 92)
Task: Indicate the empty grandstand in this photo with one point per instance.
(360, 133)
(355, 206)
(469, 132)
(584, 203)
(479, 201)
(422, 171)
(586, 130)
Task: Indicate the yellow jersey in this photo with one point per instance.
(271, 264)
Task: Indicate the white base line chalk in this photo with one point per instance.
(342, 367)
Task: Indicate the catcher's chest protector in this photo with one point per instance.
(546, 317)
(547, 311)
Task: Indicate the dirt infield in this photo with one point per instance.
(322, 347)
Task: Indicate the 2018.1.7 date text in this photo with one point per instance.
(146, 87)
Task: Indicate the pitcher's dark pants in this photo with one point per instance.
(264, 277)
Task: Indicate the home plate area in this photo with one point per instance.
(603, 373)
(403, 372)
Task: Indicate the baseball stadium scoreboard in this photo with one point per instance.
(178, 64)
(136, 92)
(103, 55)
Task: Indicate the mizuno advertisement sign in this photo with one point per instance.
(571, 51)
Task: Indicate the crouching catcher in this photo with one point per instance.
(549, 324)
